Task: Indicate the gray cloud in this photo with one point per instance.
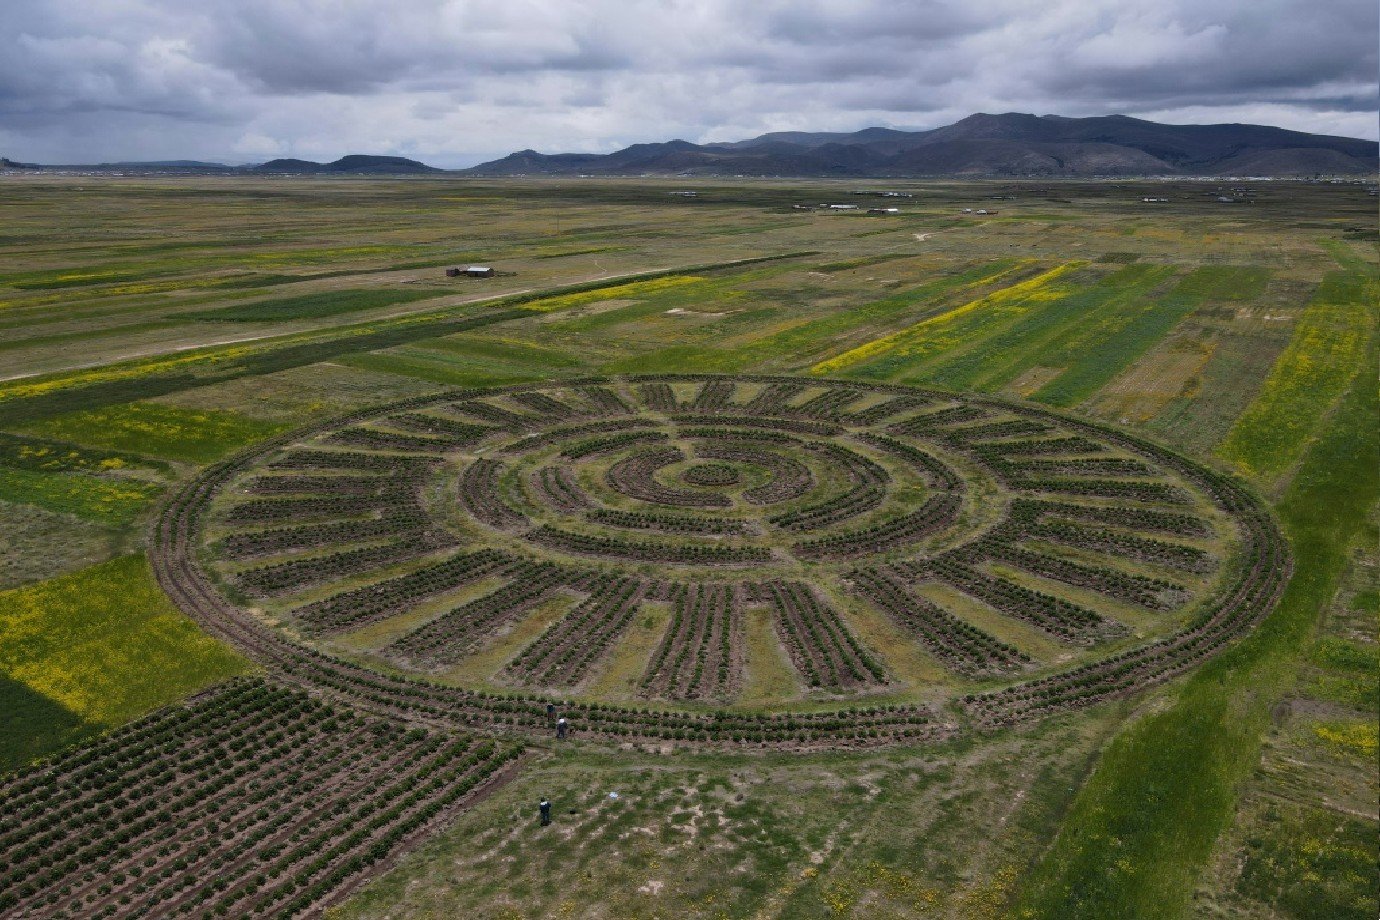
(457, 81)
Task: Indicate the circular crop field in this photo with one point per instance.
(721, 560)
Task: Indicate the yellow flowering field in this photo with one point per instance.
(1326, 351)
(108, 500)
(106, 644)
(192, 435)
(940, 333)
(616, 292)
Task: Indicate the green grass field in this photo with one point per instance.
(142, 342)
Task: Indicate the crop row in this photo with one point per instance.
(720, 434)
(659, 397)
(773, 398)
(1253, 590)
(271, 510)
(664, 522)
(933, 422)
(867, 491)
(712, 397)
(1030, 511)
(1162, 493)
(479, 495)
(565, 433)
(584, 544)
(959, 645)
(822, 648)
(497, 415)
(789, 477)
(885, 409)
(254, 543)
(1143, 549)
(553, 409)
(1062, 446)
(360, 606)
(300, 459)
(556, 486)
(378, 439)
(605, 400)
(939, 475)
(612, 442)
(633, 477)
(1060, 618)
(827, 405)
(995, 432)
(1087, 466)
(794, 426)
(451, 636)
(254, 800)
(938, 512)
(317, 485)
(701, 654)
(296, 574)
(1153, 593)
(564, 653)
(458, 433)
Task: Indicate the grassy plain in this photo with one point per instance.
(140, 341)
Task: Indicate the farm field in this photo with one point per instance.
(925, 564)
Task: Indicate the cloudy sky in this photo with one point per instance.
(456, 82)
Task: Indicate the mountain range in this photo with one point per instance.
(1012, 144)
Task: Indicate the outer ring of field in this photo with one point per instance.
(174, 555)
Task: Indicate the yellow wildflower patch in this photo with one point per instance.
(934, 335)
(1326, 351)
(174, 432)
(1361, 738)
(632, 289)
(106, 644)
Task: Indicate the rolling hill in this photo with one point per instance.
(1011, 144)
(354, 163)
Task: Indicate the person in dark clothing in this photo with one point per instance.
(561, 727)
(551, 710)
(545, 808)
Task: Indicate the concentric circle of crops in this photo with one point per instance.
(740, 560)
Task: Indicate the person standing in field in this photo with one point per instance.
(545, 808)
(561, 727)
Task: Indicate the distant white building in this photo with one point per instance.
(841, 207)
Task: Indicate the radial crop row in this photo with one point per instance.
(701, 654)
(822, 648)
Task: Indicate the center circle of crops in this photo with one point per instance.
(714, 559)
(712, 474)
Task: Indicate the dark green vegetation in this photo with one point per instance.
(1229, 332)
(314, 306)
